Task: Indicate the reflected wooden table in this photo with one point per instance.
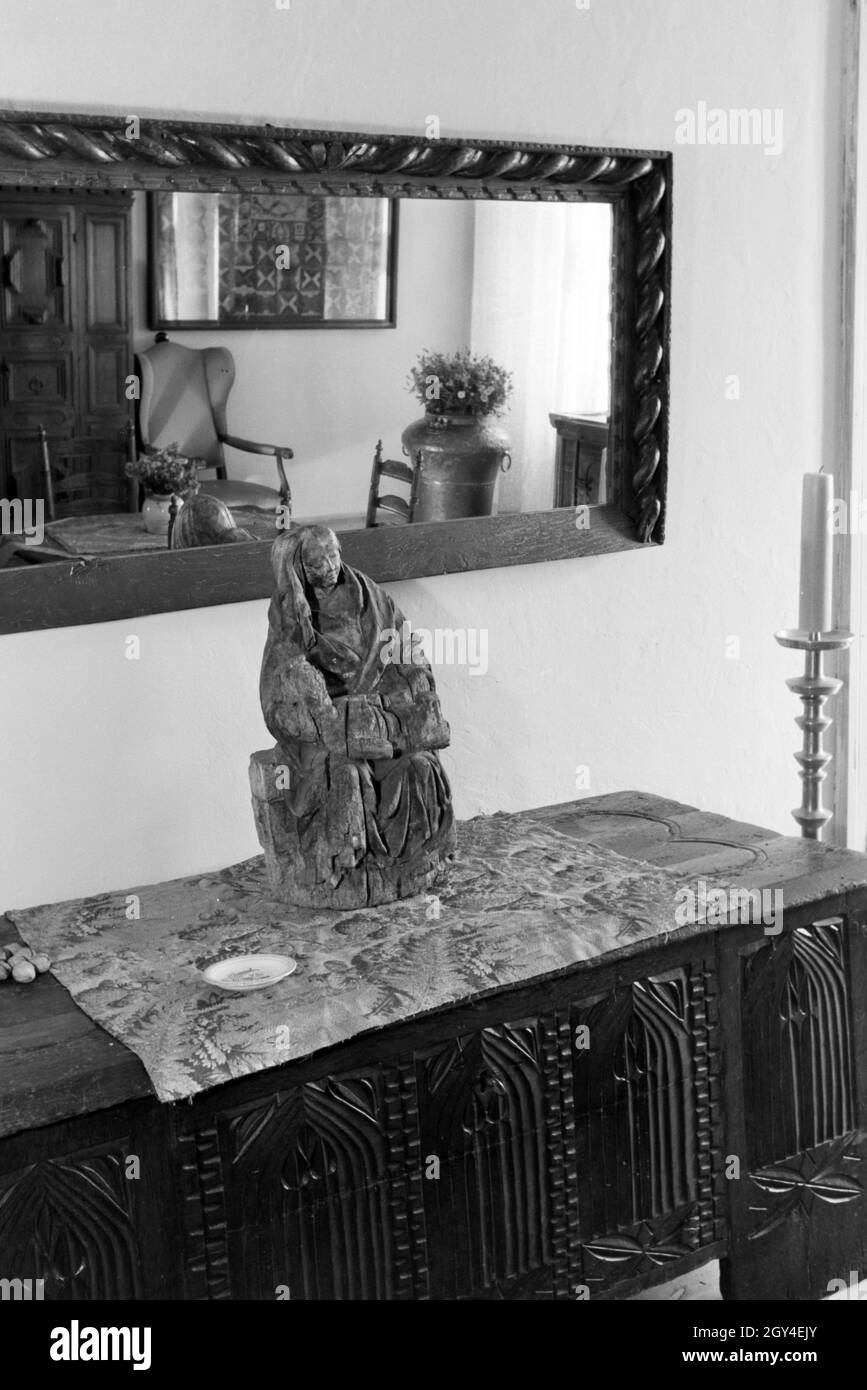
(123, 533)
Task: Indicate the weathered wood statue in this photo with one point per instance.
(352, 806)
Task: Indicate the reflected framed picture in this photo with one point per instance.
(263, 260)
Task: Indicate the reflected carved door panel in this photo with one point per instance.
(37, 244)
(65, 345)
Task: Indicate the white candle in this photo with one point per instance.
(817, 552)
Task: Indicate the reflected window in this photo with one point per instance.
(542, 303)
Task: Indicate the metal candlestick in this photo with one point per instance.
(814, 689)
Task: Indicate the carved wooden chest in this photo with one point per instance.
(577, 1136)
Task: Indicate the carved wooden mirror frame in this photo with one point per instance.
(81, 152)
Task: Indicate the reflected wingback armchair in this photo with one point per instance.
(183, 401)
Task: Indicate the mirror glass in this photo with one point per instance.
(442, 305)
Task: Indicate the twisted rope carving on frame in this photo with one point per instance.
(236, 148)
(649, 353)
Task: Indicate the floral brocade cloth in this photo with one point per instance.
(521, 901)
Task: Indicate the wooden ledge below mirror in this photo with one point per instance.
(36, 597)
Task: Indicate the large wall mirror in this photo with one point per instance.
(456, 354)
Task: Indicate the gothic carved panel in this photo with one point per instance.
(71, 1222)
(299, 1197)
(648, 1124)
(635, 1098)
(798, 1072)
(482, 1100)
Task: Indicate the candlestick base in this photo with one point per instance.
(835, 640)
(813, 688)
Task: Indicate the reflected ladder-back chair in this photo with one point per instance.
(184, 392)
(82, 476)
(399, 507)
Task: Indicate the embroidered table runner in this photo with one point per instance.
(522, 900)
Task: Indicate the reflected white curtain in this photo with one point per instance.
(189, 256)
(541, 308)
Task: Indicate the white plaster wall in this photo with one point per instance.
(116, 772)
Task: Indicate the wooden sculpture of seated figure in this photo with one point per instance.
(352, 806)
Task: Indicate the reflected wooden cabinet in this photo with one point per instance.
(581, 460)
(65, 332)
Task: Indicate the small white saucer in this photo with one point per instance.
(240, 973)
